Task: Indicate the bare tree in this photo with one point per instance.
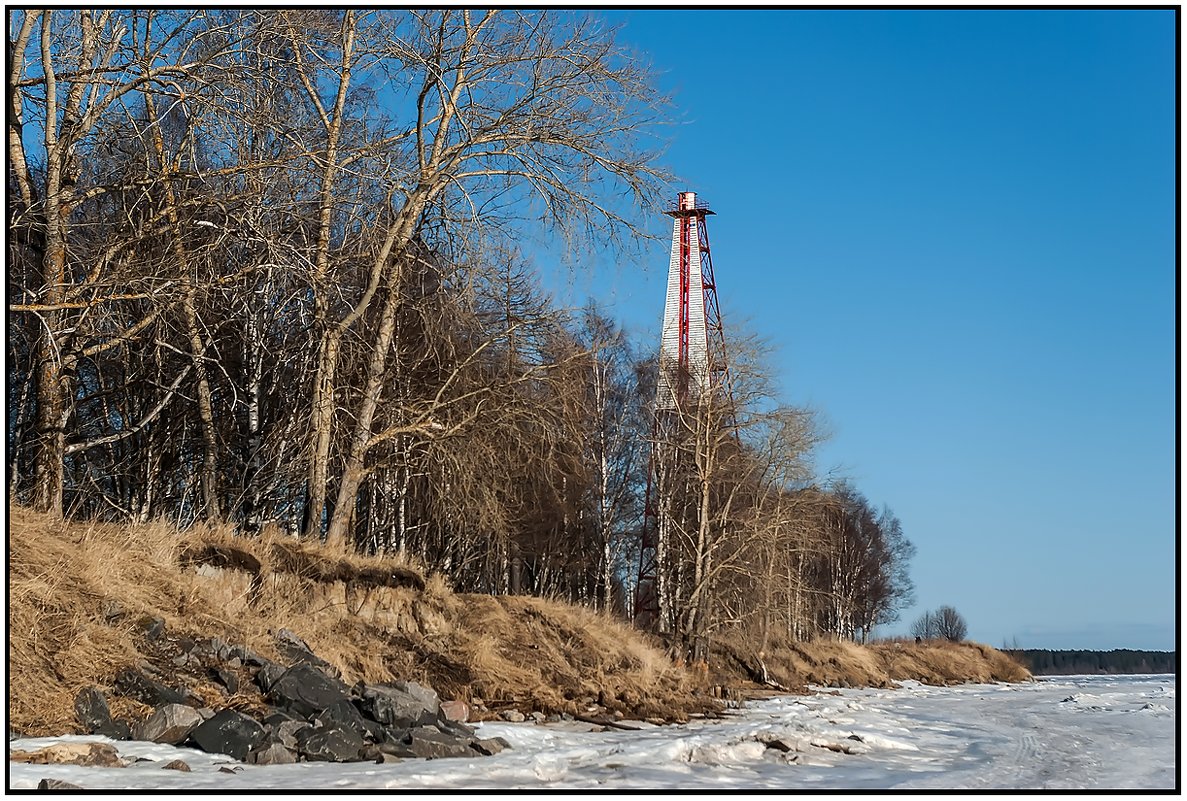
(950, 625)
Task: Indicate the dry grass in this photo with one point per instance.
(840, 663)
(517, 651)
(527, 652)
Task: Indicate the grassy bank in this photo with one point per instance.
(83, 598)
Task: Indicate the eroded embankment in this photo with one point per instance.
(87, 600)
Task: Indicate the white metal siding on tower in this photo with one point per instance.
(698, 342)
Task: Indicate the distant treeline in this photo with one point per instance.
(1042, 662)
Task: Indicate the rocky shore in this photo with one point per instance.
(273, 712)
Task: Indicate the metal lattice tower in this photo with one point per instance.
(692, 353)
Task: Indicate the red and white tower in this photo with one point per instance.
(691, 362)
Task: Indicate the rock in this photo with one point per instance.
(778, 744)
(250, 657)
(538, 717)
(135, 684)
(331, 743)
(377, 754)
(56, 784)
(431, 743)
(272, 754)
(228, 732)
(298, 652)
(397, 747)
(490, 746)
(277, 716)
(95, 718)
(206, 712)
(342, 712)
(90, 707)
(227, 679)
(176, 764)
(455, 710)
(286, 732)
(512, 716)
(455, 729)
(171, 724)
(234, 663)
(268, 673)
(100, 755)
(306, 690)
(393, 706)
(425, 695)
(374, 732)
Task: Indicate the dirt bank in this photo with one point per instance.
(89, 599)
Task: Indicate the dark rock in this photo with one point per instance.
(402, 750)
(343, 712)
(56, 784)
(375, 732)
(135, 684)
(330, 743)
(235, 769)
(250, 657)
(170, 724)
(432, 743)
(276, 717)
(778, 744)
(228, 732)
(186, 644)
(268, 673)
(378, 754)
(227, 679)
(306, 690)
(118, 730)
(298, 652)
(91, 709)
(176, 764)
(490, 746)
(454, 729)
(286, 733)
(393, 706)
(272, 754)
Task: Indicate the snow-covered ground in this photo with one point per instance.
(1066, 732)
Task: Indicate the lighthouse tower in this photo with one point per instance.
(690, 312)
(692, 354)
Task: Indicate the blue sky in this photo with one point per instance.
(958, 229)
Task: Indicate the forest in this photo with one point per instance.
(1044, 662)
(275, 269)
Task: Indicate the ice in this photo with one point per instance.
(1069, 732)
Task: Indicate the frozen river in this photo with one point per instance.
(1065, 732)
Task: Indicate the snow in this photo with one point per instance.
(1066, 732)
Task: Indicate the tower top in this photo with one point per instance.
(687, 205)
